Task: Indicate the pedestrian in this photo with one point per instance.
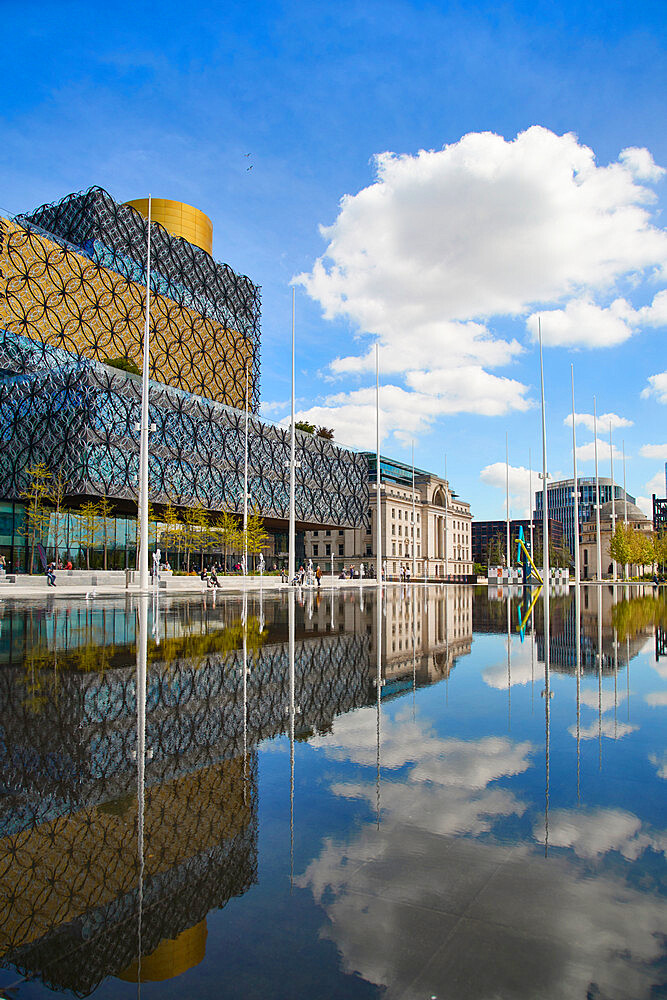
(318, 576)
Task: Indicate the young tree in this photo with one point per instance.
(226, 528)
(104, 511)
(57, 493)
(171, 535)
(195, 531)
(256, 535)
(88, 523)
(37, 513)
(621, 544)
(151, 518)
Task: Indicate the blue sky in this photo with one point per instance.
(446, 256)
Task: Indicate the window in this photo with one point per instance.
(341, 532)
(315, 547)
(341, 550)
(327, 533)
(393, 548)
(315, 534)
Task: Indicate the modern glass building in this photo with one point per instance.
(72, 311)
(561, 502)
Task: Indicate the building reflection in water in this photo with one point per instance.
(130, 756)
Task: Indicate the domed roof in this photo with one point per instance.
(634, 513)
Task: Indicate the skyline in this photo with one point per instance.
(518, 147)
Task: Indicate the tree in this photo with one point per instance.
(325, 432)
(57, 493)
(256, 534)
(89, 523)
(621, 544)
(226, 527)
(151, 517)
(303, 425)
(37, 514)
(104, 511)
(123, 364)
(172, 531)
(194, 532)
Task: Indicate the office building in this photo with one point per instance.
(561, 502)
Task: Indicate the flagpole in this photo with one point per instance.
(143, 451)
(291, 556)
(625, 508)
(597, 492)
(613, 505)
(245, 483)
(414, 557)
(507, 500)
(544, 477)
(577, 578)
(378, 509)
(446, 521)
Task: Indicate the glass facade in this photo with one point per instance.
(561, 502)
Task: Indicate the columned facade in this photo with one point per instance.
(440, 534)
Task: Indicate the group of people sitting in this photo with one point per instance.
(210, 576)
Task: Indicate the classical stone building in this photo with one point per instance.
(441, 536)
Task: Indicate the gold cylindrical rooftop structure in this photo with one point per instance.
(178, 219)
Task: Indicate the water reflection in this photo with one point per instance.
(132, 735)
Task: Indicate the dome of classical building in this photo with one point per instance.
(634, 513)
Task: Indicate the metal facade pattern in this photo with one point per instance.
(72, 297)
(94, 306)
(82, 417)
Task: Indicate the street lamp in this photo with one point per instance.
(143, 451)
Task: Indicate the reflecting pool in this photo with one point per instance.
(442, 793)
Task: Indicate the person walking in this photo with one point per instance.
(318, 576)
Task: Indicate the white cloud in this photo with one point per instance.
(656, 484)
(657, 386)
(425, 876)
(641, 163)
(597, 831)
(483, 227)
(404, 414)
(656, 699)
(444, 241)
(660, 762)
(654, 451)
(520, 497)
(586, 452)
(604, 727)
(604, 419)
(606, 699)
(582, 323)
